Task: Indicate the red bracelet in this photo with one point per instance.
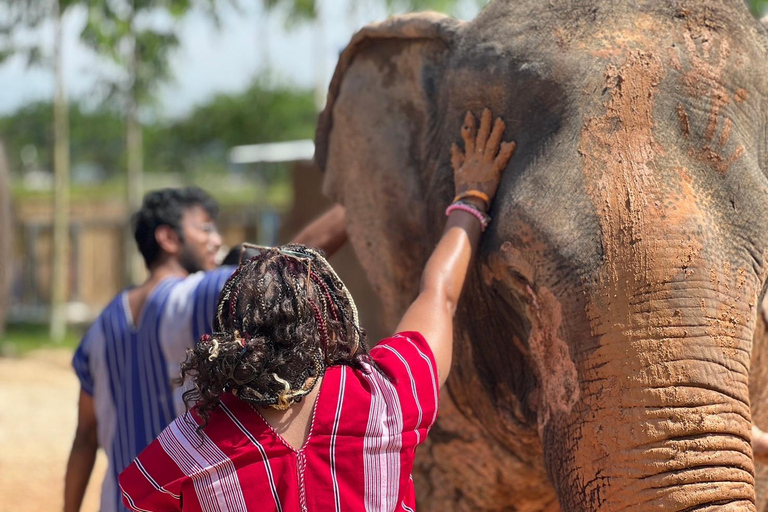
(472, 210)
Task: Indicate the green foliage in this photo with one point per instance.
(114, 30)
(20, 339)
(298, 10)
(195, 146)
(259, 114)
(96, 136)
(24, 13)
(121, 31)
(19, 15)
(306, 10)
(421, 5)
(30, 125)
(758, 7)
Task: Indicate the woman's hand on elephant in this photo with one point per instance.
(478, 171)
(479, 166)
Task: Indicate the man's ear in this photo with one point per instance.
(168, 239)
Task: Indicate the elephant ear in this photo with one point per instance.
(427, 35)
(372, 143)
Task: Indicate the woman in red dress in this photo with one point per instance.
(290, 412)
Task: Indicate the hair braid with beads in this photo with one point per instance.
(280, 321)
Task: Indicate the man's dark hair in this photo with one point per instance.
(166, 207)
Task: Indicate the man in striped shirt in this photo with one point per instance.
(129, 358)
(128, 361)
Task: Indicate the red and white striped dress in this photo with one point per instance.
(358, 455)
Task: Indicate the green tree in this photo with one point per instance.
(127, 34)
(26, 15)
(261, 113)
(95, 135)
(758, 7)
(305, 10)
(61, 183)
(198, 145)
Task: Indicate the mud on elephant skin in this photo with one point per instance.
(604, 342)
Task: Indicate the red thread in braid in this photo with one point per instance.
(233, 293)
(320, 324)
(234, 275)
(327, 294)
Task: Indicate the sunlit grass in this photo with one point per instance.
(276, 192)
(20, 339)
(758, 7)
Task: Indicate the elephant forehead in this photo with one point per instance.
(604, 122)
(575, 199)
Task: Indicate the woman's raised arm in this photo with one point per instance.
(477, 172)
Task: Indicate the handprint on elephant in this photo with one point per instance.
(705, 63)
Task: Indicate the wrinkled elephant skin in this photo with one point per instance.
(604, 341)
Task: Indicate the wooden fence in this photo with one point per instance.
(97, 256)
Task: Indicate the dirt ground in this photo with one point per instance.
(38, 394)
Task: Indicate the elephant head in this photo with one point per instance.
(604, 342)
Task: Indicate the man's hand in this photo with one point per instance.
(759, 445)
(484, 157)
(82, 456)
(327, 232)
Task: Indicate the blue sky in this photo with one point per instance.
(211, 60)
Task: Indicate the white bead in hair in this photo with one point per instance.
(214, 350)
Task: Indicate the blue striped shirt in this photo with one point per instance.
(130, 370)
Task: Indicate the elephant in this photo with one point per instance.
(608, 343)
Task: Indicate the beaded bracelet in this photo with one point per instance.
(472, 210)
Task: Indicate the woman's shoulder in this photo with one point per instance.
(191, 425)
(403, 353)
(232, 425)
(398, 357)
(398, 388)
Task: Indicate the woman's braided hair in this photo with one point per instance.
(282, 318)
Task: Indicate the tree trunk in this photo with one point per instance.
(6, 237)
(60, 194)
(321, 83)
(135, 157)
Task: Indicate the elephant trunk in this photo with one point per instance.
(662, 419)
